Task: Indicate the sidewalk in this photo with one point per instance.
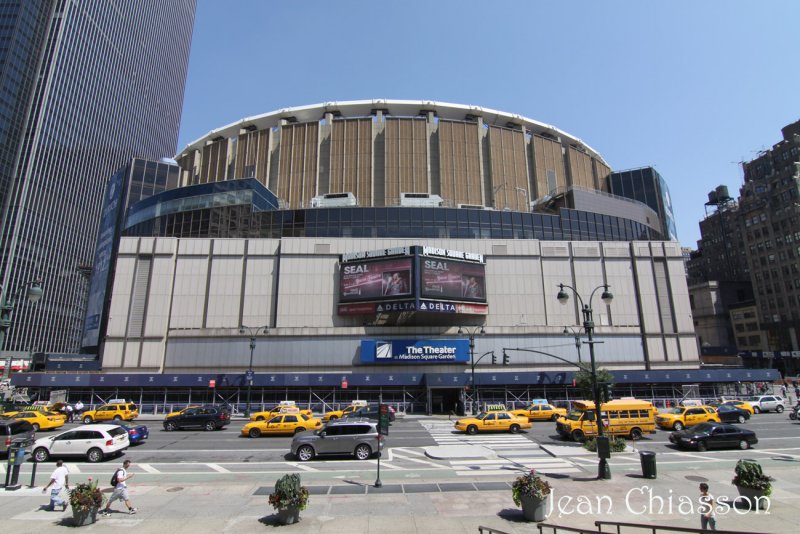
(239, 504)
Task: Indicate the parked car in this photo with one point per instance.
(11, 429)
(336, 414)
(343, 437)
(39, 420)
(136, 433)
(206, 417)
(95, 442)
(732, 414)
(686, 416)
(493, 422)
(111, 412)
(714, 435)
(541, 412)
(767, 403)
(281, 424)
(369, 412)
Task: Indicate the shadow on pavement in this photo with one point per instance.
(512, 514)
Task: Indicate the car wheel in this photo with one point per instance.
(117, 419)
(305, 453)
(35, 427)
(577, 435)
(554, 417)
(513, 428)
(744, 445)
(94, 455)
(87, 420)
(363, 452)
(299, 429)
(701, 446)
(472, 429)
(254, 433)
(210, 425)
(259, 418)
(41, 454)
(756, 409)
(677, 426)
(740, 419)
(779, 408)
(333, 418)
(169, 426)
(636, 433)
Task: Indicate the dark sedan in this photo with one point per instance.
(136, 433)
(732, 414)
(714, 435)
(369, 412)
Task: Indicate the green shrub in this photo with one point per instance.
(616, 443)
(749, 475)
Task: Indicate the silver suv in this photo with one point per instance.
(766, 403)
(359, 438)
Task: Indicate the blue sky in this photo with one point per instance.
(690, 87)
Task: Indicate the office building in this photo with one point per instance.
(96, 84)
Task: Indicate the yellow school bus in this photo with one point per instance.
(621, 417)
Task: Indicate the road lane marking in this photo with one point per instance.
(149, 469)
(217, 468)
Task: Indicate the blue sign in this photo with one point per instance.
(415, 351)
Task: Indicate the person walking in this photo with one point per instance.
(708, 520)
(121, 477)
(58, 481)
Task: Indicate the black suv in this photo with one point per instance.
(206, 417)
(11, 429)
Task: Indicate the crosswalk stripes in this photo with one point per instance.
(510, 453)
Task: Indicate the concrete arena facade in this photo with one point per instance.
(187, 297)
(379, 149)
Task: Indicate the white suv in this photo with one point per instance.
(766, 403)
(95, 442)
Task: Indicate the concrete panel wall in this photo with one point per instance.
(121, 295)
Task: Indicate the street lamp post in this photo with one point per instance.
(471, 332)
(253, 332)
(588, 326)
(567, 331)
(33, 292)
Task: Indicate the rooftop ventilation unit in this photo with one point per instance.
(420, 200)
(334, 200)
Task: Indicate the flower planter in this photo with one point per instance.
(289, 516)
(82, 518)
(751, 496)
(534, 509)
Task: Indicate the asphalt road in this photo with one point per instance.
(224, 453)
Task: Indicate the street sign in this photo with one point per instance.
(212, 383)
(383, 419)
(249, 377)
(344, 384)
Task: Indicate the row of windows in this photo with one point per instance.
(240, 221)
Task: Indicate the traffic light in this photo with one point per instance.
(494, 359)
(506, 358)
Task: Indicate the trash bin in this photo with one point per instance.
(648, 464)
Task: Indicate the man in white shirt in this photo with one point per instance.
(58, 480)
(121, 489)
(78, 409)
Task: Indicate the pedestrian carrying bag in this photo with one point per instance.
(114, 478)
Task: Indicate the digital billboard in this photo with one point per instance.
(371, 280)
(452, 280)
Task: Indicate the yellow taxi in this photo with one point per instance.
(336, 414)
(493, 422)
(280, 408)
(126, 411)
(742, 405)
(286, 423)
(685, 416)
(39, 420)
(541, 412)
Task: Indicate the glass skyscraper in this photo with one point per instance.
(86, 86)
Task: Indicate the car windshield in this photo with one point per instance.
(702, 428)
(676, 411)
(575, 415)
(754, 399)
(481, 416)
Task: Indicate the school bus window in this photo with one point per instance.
(614, 415)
